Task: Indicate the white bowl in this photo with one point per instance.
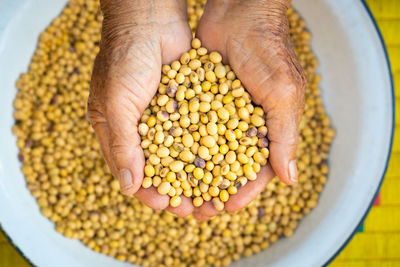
(358, 95)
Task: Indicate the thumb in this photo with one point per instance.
(124, 79)
(281, 95)
(282, 98)
(283, 136)
(122, 114)
(279, 89)
(284, 106)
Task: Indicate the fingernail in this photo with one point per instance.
(293, 171)
(125, 179)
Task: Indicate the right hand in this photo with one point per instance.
(137, 38)
(253, 38)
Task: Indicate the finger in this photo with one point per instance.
(129, 161)
(208, 209)
(184, 209)
(122, 114)
(283, 103)
(169, 51)
(102, 133)
(277, 85)
(282, 122)
(152, 198)
(250, 191)
(200, 216)
(211, 38)
(283, 112)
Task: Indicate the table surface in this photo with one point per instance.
(378, 242)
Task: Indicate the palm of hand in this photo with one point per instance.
(125, 78)
(260, 53)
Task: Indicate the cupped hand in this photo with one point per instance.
(136, 40)
(253, 38)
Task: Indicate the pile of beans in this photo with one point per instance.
(201, 134)
(65, 171)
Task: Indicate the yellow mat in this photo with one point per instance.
(379, 243)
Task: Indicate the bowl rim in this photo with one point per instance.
(383, 45)
(352, 234)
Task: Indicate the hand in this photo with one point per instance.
(137, 38)
(253, 37)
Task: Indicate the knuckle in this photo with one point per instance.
(117, 150)
(289, 94)
(95, 117)
(283, 127)
(292, 139)
(94, 114)
(293, 89)
(95, 103)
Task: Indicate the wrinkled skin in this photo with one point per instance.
(125, 78)
(253, 38)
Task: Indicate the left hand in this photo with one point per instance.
(253, 37)
(137, 38)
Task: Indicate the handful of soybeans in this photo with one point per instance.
(201, 134)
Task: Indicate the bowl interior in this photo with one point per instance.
(357, 94)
